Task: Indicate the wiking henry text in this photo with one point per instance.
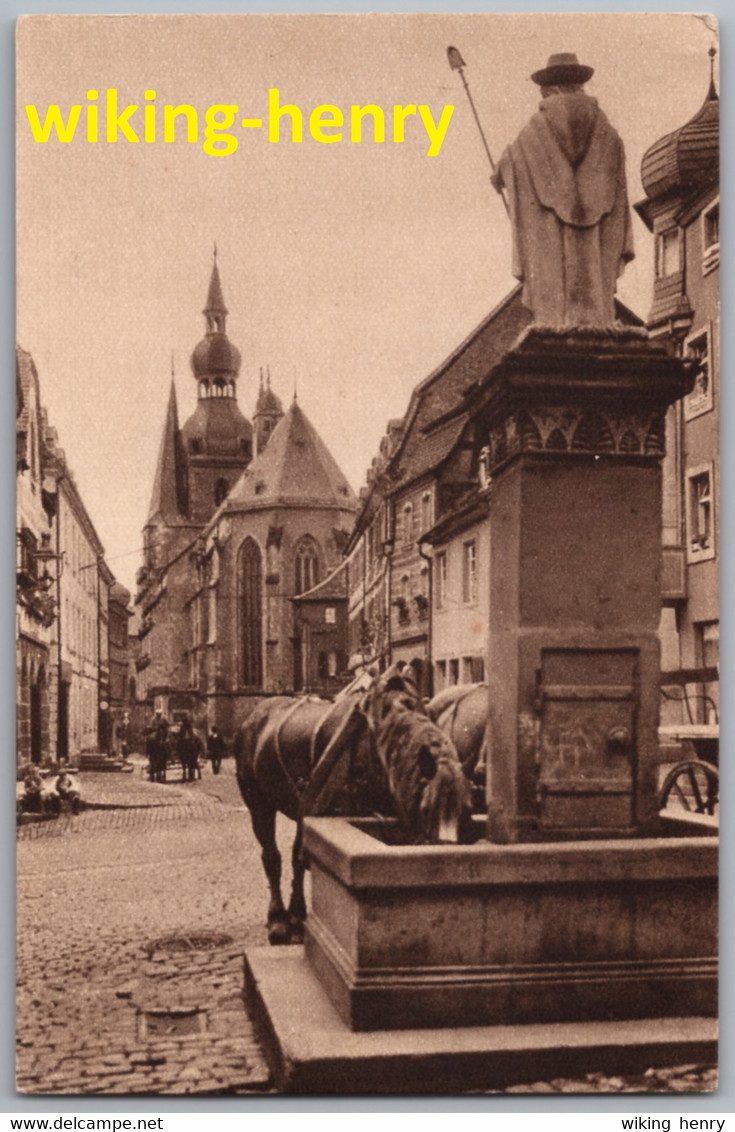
(104, 120)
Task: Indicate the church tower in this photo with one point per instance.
(217, 440)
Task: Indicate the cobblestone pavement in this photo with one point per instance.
(131, 929)
(132, 922)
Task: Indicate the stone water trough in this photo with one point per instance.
(424, 936)
(445, 968)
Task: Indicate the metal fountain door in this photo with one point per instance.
(587, 705)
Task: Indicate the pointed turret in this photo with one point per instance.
(268, 412)
(169, 488)
(215, 311)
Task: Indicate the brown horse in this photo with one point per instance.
(372, 750)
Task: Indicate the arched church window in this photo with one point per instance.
(307, 565)
(251, 614)
(220, 491)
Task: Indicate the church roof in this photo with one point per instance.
(215, 298)
(295, 468)
(219, 426)
(168, 498)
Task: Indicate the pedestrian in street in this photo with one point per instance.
(188, 749)
(32, 786)
(157, 747)
(215, 749)
(67, 791)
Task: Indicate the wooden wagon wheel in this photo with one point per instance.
(693, 785)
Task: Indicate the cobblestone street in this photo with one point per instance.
(102, 1006)
(132, 920)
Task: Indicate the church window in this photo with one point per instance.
(307, 565)
(251, 614)
(196, 444)
(407, 524)
(220, 491)
(426, 511)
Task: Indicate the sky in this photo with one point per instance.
(350, 270)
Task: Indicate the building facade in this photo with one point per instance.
(36, 603)
(63, 587)
(680, 175)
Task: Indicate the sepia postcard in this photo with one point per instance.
(368, 529)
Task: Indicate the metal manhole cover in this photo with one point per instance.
(197, 941)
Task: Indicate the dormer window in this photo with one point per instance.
(711, 237)
(668, 260)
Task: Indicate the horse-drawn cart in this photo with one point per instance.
(692, 780)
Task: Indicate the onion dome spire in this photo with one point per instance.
(215, 310)
(215, 361)
(688, 158)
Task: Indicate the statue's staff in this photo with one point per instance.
(457, 63)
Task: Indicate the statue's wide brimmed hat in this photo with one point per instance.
(563, 68)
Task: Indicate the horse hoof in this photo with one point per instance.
(297, 931)
(279, 933)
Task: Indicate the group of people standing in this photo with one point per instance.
(183, 742)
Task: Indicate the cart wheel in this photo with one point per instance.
(693, 786)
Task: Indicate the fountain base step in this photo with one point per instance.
(311, 1050)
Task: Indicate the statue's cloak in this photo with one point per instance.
(565, 176)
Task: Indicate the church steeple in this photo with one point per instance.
(215, 312)
(215, 361)
(168, 500)
(216, 440)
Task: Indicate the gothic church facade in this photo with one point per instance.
(243, 518)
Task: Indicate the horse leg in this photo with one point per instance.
(263, 818)
(297, 904)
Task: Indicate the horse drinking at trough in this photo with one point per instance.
(372, 750)
(462, 713)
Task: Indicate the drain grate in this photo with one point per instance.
(197, 941)
(171, 1023)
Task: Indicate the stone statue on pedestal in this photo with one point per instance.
(568, 202)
